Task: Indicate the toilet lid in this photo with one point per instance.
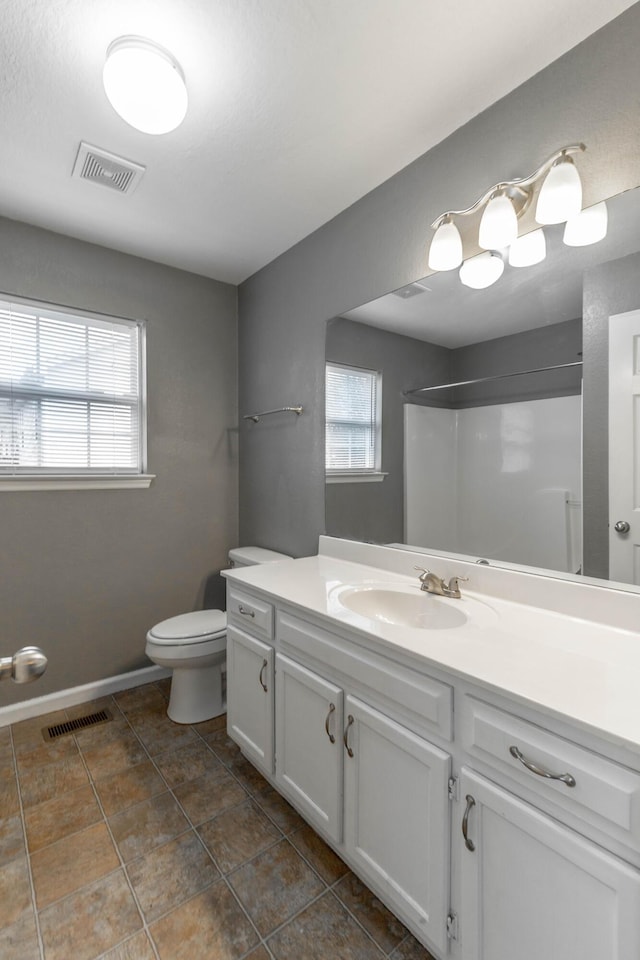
(199, 625)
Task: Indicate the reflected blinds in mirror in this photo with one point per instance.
(352, 419)
(70, 392)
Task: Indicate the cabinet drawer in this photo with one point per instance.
(421, 702)
(253, 615)
(604, 794)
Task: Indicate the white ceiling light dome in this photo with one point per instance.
(560, 196)
(590, 226)
(145, 85)
(528, 249)
(499, 224)
(445, 252)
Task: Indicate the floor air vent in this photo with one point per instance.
(80, 723)
(100, 166)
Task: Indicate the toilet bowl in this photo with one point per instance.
(194, 645)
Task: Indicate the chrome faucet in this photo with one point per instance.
(432, 583)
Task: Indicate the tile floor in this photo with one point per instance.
(142, 839)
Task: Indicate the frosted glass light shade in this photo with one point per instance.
(499, 224)
(445, 252)
(481, 271)
(560, 196)
(145, 85)
(527, 250)
(589, 226)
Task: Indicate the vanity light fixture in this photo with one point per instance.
(481, 271)
(145, 85)
(557, 188)
(529, 249)
(589, 226)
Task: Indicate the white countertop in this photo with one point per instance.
(579, 669)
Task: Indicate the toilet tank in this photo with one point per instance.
(248, 556)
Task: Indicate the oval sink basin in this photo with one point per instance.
(420, 610)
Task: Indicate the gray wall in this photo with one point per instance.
(380, 243)
(85, 573)
(608, 289)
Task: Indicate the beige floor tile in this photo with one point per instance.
(209, 795)
(211, 925)
(164, 686)
(223, 746)
(54, 819)
(27, 734)
(410, 949)
(19, 941)
(321, 857)
(281, 812)
(275, 885)
(115, 755)
(102, 733)
(380, 923)
(92, 706)
(207, 727)
(11, 839)
(259, 954)
(44, 783)
(160, 734)
(137, 830)
(250, 778)
(323, 930)
(137, 948)
(238, 835)
(15, 890)
(43, 753)
(131, 786)
(171, 874)
(186, 763)
(148, 695)
(91, 921)
(71, 863)
(9, 802)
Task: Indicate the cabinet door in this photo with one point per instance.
(532, 888)
(309, 739)
(250, 696)
(397, 817)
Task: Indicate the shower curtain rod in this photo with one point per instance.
(499, 376)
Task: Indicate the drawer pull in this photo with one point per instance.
(469, 844)
(332, 708)
(566, 778)
(350, 720)
(245, 613)
(261, 677)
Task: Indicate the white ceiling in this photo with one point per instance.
(297, 108)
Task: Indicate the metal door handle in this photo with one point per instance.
(540, 771)
(26, 665)
(469, 844)
(332, 708)
(345, 738)
(245, 613)
(264, 666)
(622, 526)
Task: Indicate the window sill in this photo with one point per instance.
(353, 477)
(77, 482)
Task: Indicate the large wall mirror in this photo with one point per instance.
(496, 410)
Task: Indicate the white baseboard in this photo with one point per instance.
(38, 706)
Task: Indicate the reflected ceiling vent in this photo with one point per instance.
(411, 290)
(100, 166)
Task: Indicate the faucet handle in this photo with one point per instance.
(453, 587)
(423, 573)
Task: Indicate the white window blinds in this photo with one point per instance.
(70, 392)
(352, 420)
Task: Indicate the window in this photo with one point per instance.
(71, 397)
(353, 413)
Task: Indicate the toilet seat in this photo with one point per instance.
(189, 628)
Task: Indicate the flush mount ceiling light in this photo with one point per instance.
(145, 85)
(481, 271)
(589, 226)
(557, 189)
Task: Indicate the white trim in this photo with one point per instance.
(353, 477)
(38, 706)
(32, 481)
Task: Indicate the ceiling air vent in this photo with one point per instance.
(100, 166)
(411, 290)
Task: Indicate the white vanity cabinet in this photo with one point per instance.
(533, 888)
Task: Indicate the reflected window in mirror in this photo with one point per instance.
(353, 444)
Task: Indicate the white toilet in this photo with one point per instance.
(194, 646)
